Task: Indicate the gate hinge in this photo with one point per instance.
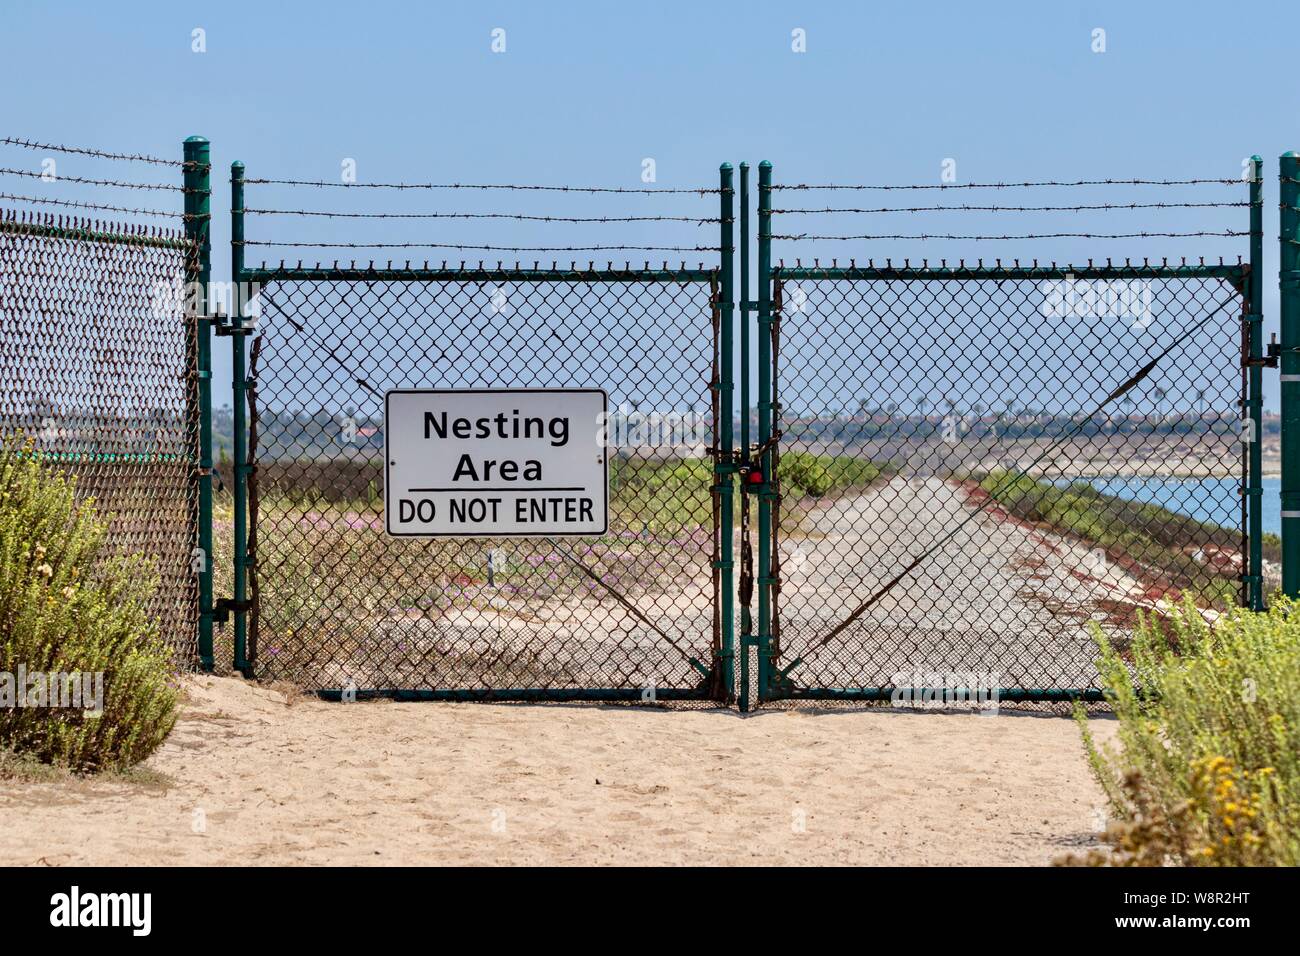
(221, 610)
(219, 321)
(1271, 357)
(222, 324)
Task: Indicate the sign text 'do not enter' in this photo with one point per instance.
(495, 462)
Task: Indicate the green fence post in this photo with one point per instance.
(197, 179)
(1255, 399)
(746, 621)
(725, 465)
(239, 384)
(1289, 319)
(765, 416)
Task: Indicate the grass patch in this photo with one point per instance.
(27, 768)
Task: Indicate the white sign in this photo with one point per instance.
(491, 462)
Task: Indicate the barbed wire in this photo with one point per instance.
(90, 205)
(48, 220)
(92, 182)
(480, 215)
(1128, 263)
(969, 208)
(1044, 235)
(468, 266)
(499, 186)
(101, 154)
(1023, 185)
(458, 245)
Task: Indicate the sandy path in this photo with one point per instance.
(391, 783)
(997, 598)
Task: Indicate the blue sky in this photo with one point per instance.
(586, 91)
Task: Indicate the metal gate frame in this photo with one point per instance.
(774, 680)
(744, 469)
(719, 673)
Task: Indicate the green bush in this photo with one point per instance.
(1208, 767)
(69, 606)
(804, 473)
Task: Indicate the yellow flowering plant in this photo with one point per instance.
(1206, 763)
(85, 680)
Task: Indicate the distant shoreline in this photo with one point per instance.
(1166, 475)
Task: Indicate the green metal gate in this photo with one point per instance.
(923, 523)
(914, 485)
(325, 598)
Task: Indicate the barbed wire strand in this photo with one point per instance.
(990, 238)
(467, 266)
(888, 263)
(101, 154)
(459, 245)
(1023, 185)
(91, 182)
(480, 215)
(969, 208)
(90, 205)
(500, 186)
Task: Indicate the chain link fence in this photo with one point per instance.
(97, 353)
(950, 471)
(948, 509)
(338, 604)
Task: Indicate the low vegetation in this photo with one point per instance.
(804, 473)
(1170, 546)
(1207, 767)
(73, 618)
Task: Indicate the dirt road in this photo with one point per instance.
(999, 597)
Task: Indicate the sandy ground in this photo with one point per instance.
(248, 779)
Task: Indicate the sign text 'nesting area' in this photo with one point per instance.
(493, 462)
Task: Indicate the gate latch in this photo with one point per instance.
(751, 472)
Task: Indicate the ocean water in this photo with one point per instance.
(1206, 499)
